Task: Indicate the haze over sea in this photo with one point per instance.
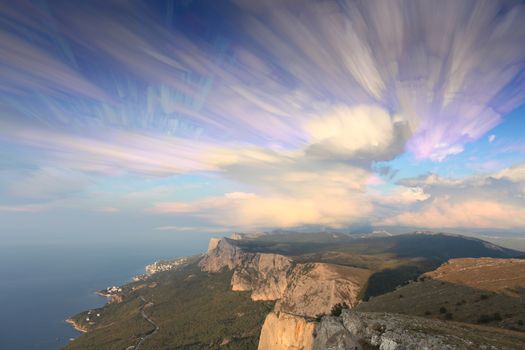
(45, 282)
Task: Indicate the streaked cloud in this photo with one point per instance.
(292, 103)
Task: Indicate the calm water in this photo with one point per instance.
(42, 284)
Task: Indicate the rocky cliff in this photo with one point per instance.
(314, 288)
(383, 331)
(265, 275)
(221, 253)
(286, 332)
(305, 289)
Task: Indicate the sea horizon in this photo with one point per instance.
(53, 281)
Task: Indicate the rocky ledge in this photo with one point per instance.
(384, 331)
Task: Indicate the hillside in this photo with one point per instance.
(193, 310)
(484, 291)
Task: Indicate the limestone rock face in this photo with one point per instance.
(264, 274)
(222, 254)
(213, 243)
(314, 288)
(331, 334)
(385, 331)
(286, 332)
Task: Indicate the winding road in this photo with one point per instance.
(150, 321)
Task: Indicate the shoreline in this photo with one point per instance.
(111, 297)
(76, 326)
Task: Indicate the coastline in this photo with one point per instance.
(153, 268)
(76, 326)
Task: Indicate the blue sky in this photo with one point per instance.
(194, 116)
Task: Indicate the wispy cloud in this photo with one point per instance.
(292, 101)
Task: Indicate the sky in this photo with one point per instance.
(220, 116)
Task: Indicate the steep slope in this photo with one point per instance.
(285, 331)
(314, 288)
(264, 274)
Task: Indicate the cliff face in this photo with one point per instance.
(286, 332)
(264, 274)
(306, 289)
(303, 290)
(314, 288)
(221, 253)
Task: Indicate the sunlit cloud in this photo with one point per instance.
(252, 211)
(494, 200)
(292, 102)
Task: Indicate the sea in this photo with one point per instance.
(42, 283)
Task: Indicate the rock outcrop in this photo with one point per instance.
(286, 332)
(266, 275)
(221, 253)
(306, 289)
(213, 244)
(303, 290)
(314, 288)
(383, 331)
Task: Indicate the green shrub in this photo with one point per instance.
(338, 308)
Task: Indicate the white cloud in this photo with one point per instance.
(271, 211)
(441, 213)
(364, 131)
(492, 138)
(494, 200)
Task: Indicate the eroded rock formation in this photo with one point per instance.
(314, 288)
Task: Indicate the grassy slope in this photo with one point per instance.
(443, 300)
(194, 310)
